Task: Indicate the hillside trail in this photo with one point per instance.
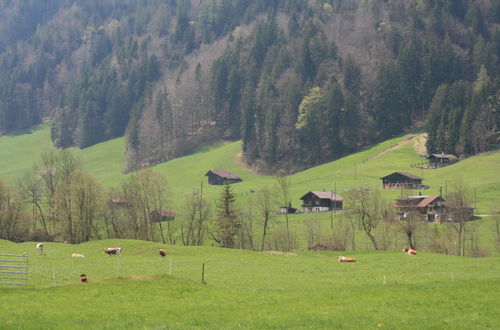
(418, 141)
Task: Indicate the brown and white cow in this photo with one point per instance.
(410, 251)
(345, 259)
(111, 251)
(162, 253)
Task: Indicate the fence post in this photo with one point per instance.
(203, 273)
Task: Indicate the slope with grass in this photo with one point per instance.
(248, 289)
(481, 173)
(105, 161)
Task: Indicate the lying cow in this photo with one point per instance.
(110, 251)
(410, 251)
(77, 255)
(345, 259)
(39, 248)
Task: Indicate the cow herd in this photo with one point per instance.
(109, 251)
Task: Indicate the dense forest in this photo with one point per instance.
(299, 82)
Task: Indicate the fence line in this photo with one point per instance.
(20, 276)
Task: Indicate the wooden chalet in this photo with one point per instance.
(402, 180)
(321, 201)
(221, 177)
(440, 160)
(161, 216)
(430, 208)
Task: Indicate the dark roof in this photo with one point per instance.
(325, 195)
(224, 174)
(442, 155)
(409, 175)
(165, 213)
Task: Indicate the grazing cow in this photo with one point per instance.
(410, 251)
(162, 253)
(110, 251)
(77, 255)
(345, 259)
(39, 248)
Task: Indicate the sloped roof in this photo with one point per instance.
(409, 175)
(324, 195)
(428, 200)
(224, 174)
(165, 213)
(418, 201)
(449, 156)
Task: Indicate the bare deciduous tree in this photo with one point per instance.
(145, 192)
(197, 214)
(265, 207)
(10, 212)
(366, 207)
(457, 209)
(284, 182)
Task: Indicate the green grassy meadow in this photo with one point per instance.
(105, 161)
(246, 289)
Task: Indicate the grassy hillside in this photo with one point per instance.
(105, 161)
(248, 289)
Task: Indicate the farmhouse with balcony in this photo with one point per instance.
(221, 177)
(440, 160)
(429, 208)
(402, 180)
(321, 201)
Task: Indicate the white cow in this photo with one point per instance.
(39, 248)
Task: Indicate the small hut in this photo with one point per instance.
(161, 216)
(321, 201)
(442, 159)
(221, 177)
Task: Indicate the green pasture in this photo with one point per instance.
(247, 289)
(105, 161)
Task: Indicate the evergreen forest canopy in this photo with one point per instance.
(300, 82)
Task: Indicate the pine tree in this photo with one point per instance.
(227, 224)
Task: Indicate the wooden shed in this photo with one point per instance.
(321, 201)
(161, 216)
(221, 177)
(402, 180)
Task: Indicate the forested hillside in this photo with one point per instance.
(300, 82)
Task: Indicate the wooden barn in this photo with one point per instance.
(161, 216)
(440, 160)
(430, 208)
(321, 201)
(117, 203)
(402, 180)
(221, 177)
